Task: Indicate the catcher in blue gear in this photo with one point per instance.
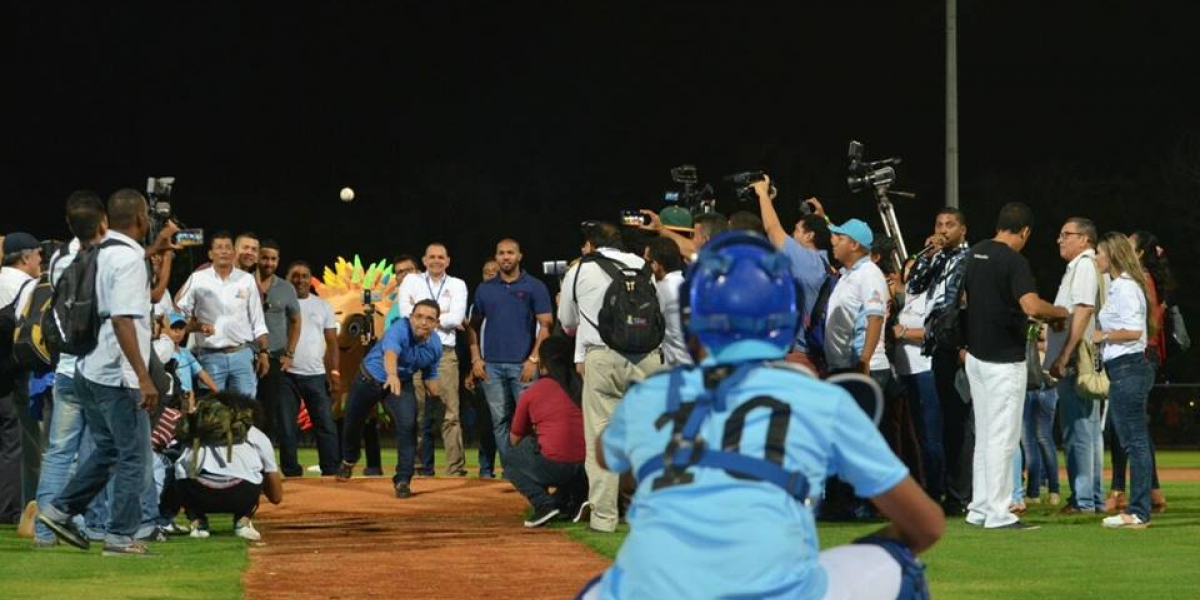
(731, 456)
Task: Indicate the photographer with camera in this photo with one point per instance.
(607, 371)
(114, 386)
(810, 263)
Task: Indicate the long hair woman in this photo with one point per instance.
(1125, 322)
(1160, 285)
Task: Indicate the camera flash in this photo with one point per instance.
(347, 194)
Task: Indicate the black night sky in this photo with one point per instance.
(466, 123)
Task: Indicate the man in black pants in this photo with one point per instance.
(939, 273)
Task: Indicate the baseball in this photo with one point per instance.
(347, 194)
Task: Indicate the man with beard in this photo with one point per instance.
(281, 311)
(512, 316)
(938, 275)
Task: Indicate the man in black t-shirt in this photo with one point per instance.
(1000, 296)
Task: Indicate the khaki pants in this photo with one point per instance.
(606, 375)
(456, 463)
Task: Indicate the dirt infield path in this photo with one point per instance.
(455, 538)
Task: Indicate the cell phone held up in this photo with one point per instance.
(189, 237)
(632, 217)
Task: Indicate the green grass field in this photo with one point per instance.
(1069, 557)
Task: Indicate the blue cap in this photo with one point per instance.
(855, 230)
(174, 318)
(18, 242)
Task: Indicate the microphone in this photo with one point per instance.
(923, 251)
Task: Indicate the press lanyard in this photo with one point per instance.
(438, 296)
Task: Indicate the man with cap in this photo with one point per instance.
(857, 306)
(22, 265)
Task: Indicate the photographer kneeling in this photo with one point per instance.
(547, 446)
(219, 478)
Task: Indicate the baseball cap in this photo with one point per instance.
(174, 318)
(676, 218)
(855, 230)
(16, 242)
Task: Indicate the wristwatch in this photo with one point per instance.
(289, 354)
(533, 359)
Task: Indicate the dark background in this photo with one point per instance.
(465, 123)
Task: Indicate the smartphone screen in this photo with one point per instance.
(190, 237)
(632, 218)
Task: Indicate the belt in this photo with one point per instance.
(228, 350)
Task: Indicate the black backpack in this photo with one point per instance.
(75, 308)
(630, 319)
(814, 330)
(8, 328)
(30, 349)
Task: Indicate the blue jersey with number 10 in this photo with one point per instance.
(714, 535)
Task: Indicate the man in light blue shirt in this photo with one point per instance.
(730, 455)
(806, 250)
(114, 386)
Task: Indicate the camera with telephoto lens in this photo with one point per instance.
(865, 174)
(743, 185)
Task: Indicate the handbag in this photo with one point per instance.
(1091, 382)
(1036, 377)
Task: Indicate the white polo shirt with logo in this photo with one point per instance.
(861, 292)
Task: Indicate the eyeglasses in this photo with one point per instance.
(1062, 235)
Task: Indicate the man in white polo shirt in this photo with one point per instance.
(451, 295)
(223, 300)
(857, 306)
(114, 387)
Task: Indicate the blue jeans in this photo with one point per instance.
(114, 415)
(365, 393)
(1129, 389)
(233, 371)
(502, 388)
(1084, 445)
(927, 417)
(316, 399)
(67, 427)
(1037, 438)
(1018, 495)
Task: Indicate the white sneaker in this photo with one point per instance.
(313, 469)
(1124, 521)
(247, 532)
(198, 533)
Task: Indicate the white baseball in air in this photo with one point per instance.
(347, 194)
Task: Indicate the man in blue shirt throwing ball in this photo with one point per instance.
(386, 375)
(731, 456)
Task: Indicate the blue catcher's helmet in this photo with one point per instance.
(740, 288)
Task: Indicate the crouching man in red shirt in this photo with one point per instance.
(546, 438)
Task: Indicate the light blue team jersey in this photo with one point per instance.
(723, 537)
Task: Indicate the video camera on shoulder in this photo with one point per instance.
(743, 185)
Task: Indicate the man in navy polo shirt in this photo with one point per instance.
(512, 316)
(386, 374)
